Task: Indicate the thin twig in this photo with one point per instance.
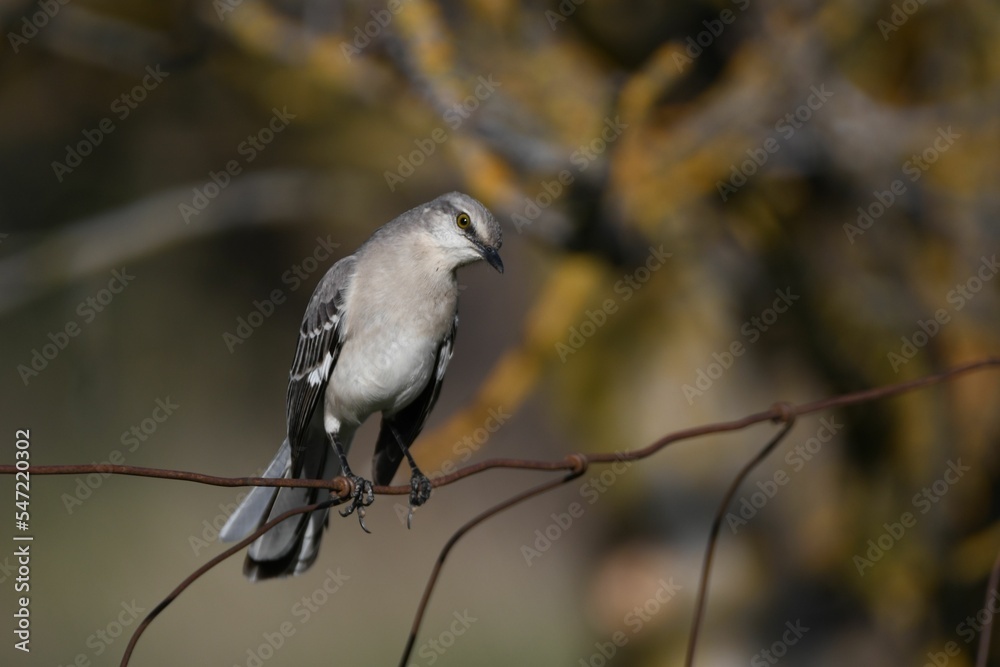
(706, 568)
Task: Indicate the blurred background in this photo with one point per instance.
(708, 207)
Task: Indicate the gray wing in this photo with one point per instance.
(320, 341)
(409, 421)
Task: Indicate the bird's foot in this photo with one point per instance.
(420, 491)
(362, 498)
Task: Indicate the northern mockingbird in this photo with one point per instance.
(376, 336)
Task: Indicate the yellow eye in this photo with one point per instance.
(463, 221)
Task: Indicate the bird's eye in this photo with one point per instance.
(463, 221)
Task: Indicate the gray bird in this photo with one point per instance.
(376, 336)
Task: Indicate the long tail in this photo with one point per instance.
(290, 547)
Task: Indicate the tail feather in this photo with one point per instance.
(291, 546)
(276, 543)
(249, 516)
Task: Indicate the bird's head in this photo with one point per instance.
(464, 229)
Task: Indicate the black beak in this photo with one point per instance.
(492, 258)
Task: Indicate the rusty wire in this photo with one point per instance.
(575, 465)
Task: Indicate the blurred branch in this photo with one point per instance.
(138, 229)
(261, 30)
(103, 40)
(422, 49)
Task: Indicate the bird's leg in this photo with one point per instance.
(363, 493)
(420, 484)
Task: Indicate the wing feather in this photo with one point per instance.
(321, 337)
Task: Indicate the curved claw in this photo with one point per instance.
(361, 520)
(363, 496)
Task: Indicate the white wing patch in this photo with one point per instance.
(320, 373)
(443, 360)
(327, 325)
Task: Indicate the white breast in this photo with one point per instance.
(393, 327)
(379, 374)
